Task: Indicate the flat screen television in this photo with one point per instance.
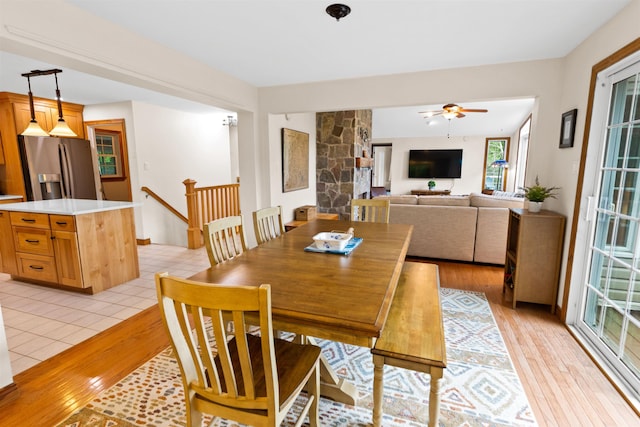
(435, 163)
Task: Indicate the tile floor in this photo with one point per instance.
(41, 321)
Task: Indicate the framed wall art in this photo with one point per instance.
(568, 128)
(295, 160)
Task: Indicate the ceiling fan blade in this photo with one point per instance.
(473, 110)
(459, 115)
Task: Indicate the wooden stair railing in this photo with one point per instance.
(205, 204)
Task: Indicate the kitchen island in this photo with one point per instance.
(87, 245)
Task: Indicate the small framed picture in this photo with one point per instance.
(568, 128)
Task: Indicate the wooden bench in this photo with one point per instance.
(413, 335)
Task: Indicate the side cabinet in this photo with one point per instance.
(65, 248)
(532, 262)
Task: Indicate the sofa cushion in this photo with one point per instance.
(484, 200)
(444, 200)
(491, 235)
(445, 232)
(400, 199)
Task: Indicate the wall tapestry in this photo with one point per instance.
(295, 160)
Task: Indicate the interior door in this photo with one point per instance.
(608, 231)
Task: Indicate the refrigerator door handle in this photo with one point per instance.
(67, 174)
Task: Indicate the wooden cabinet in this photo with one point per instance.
(7, 248)
(69, 250)
(47, 116)
(15, 115)
(33, 245)
(65, 248)
(532, 262)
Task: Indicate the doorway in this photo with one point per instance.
(381, 174)
(109, 137)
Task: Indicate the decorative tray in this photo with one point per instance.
(351, 245)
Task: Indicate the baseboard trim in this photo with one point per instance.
(143, 242)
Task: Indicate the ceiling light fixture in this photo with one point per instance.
(61, 129)
(34, 128)
(338, 10)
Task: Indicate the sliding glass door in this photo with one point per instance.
(609, 314)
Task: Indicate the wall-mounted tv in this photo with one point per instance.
(435, 163)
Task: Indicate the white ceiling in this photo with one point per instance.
(267, 42)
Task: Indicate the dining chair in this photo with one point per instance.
(268, 224)
(224, 239)
(253, 379)
(370, 210)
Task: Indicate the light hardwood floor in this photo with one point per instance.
(564, 387)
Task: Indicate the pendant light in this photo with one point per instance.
(62, 128)
(34, 128)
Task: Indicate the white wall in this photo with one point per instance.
(293, 199)
(472, 155)
(165, 148)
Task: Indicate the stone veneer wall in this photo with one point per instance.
(341, 136)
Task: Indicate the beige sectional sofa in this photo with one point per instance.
(464, 228)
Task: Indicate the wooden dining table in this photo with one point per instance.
(343, 298)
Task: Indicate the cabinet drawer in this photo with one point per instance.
(62, 222)
(37, 267)
(33, 240)
(26, 219)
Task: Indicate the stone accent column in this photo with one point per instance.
(341, 136)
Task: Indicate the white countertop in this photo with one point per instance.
(9, 197)
(67, 206)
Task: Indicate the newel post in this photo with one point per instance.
(194, 240)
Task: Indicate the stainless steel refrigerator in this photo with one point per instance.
(56, 168)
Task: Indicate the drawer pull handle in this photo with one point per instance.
(61, 222)
(30, 220)
(36, 267)
(34, 241)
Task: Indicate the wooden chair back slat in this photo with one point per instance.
(268, 223)
(370, 210)
(224, 239)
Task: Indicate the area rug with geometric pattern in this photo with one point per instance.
(480, 386)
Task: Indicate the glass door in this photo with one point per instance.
(609, 315)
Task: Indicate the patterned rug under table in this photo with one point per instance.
(480, 386)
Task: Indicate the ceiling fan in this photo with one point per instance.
(450, 111)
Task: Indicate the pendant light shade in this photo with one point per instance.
(34, 128)
(62, 128)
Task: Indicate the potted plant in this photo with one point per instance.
(536, 194)
(431, 185)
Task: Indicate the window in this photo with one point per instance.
(109, 154)
(496, 154)
(523, 149)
